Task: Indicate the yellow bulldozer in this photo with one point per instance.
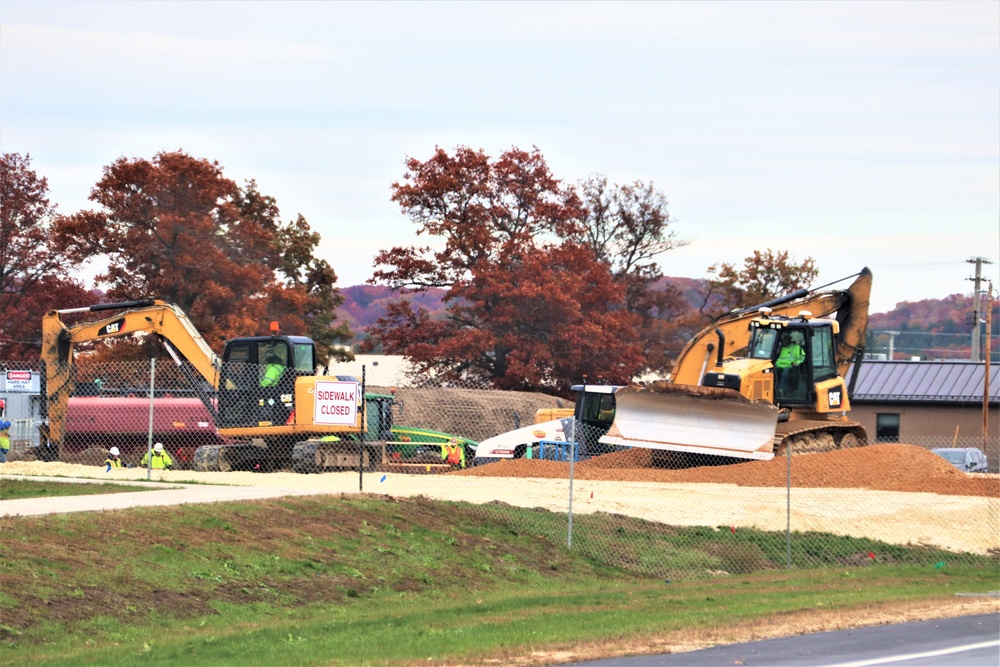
(757, 381)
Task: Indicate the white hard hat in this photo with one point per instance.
(158, 447)
(114, 451)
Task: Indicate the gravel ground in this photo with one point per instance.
(896, 493)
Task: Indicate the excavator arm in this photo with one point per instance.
(148, 316)
(850, 306)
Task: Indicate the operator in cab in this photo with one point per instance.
(789, 363)
(273, 370)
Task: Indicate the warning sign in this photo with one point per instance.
(336, 403)
(22, 381)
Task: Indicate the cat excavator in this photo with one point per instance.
(737, 391)
(265, 421)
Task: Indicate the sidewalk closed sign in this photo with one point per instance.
(336, 403)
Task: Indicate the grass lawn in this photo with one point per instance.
(325, 580)
(12, 489)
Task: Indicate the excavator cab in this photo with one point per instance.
(257, 380)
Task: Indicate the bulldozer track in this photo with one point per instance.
(809, 436)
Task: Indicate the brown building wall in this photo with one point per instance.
(933, 426)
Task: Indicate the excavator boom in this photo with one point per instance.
(149, 316)
(850, 307)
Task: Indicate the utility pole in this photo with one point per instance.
(977, 306)
(892, 343)
(986, 370)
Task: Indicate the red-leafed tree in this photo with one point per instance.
(764, 275)
(529, 306)
(627, 227)
(175, 227)
(33, 272)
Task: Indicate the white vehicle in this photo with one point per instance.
(595, 408)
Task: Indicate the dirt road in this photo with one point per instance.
(927, 501)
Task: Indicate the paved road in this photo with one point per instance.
(167, 494)
(965, 641)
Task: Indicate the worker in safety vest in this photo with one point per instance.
(160, 461)
(4, 439)
(273, 370)
(453, 453)
(114, 459)
(788, 362)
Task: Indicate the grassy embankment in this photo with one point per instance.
(328, 580)
(12, 489)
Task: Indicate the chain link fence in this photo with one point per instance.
(663, 514)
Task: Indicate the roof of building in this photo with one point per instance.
(925, 381)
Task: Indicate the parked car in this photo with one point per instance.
(966, 459)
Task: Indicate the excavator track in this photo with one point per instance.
(225, 458)
(815, 436)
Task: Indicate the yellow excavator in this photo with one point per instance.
(266, 421)
(757, 381)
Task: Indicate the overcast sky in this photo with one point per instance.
(859, 134)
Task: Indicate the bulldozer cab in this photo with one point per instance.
(594, 412)
(802, 353)
(257, 380)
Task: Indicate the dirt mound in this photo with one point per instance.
(879, 467)
(476, 414)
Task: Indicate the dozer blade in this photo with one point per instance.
(700, 420)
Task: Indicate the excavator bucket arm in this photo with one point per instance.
(150, 316)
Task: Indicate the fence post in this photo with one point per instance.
(361, 439)
(788, 508)
(571, 446)
(149, 435)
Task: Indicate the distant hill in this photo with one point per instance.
(929, 329)
(364, 304)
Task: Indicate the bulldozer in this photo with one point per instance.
(759, 381)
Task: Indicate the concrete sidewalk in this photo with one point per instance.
(170, 494)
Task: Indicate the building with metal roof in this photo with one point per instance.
(929, 403)
(948, 381)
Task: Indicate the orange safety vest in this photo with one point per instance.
(454, 454)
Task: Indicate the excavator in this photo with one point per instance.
(267, 426)
(738, 391)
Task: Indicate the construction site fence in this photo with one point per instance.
(626, 515)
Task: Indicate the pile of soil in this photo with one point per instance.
(905, 468)
(473, 413)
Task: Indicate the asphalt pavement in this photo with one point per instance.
(963, 641)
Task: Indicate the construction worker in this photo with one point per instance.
(160, 461)
(273, 370)
(453, 453)
(114, 459)
(788, 362)
(4, 440)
